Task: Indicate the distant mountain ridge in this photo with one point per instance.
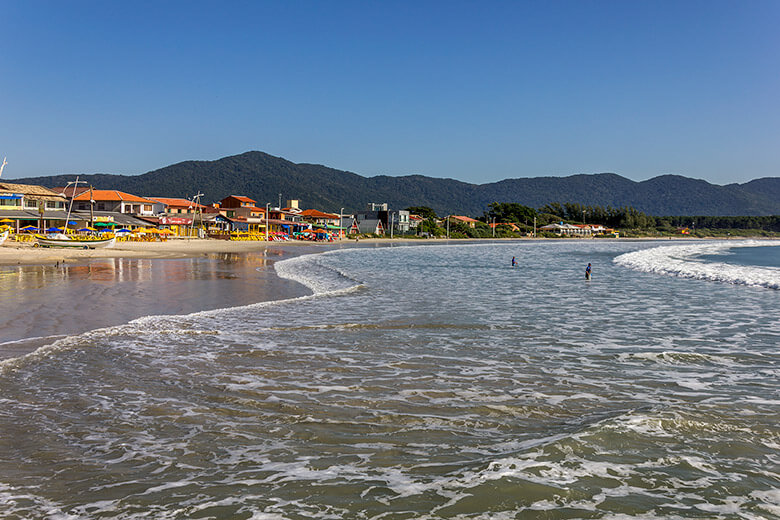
(263, 177)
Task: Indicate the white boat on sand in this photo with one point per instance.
(3, 236)
(60, 240)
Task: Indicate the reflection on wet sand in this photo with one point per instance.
(63, 299)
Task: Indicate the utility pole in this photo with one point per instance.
(534, 226)
(91, 207)
(267, 205)
(448, 227)
(494, 227)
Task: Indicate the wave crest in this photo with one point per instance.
(681, 260)
(310, 271)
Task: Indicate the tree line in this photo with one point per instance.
(514, 215)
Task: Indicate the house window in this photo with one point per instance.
(51, 204)
(83, 206)
(101, 206)
(30, 203)
(148, 207)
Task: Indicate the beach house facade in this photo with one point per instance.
(398, 220)
(29, 205)
(113, 201)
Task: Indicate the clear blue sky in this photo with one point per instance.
(477, 91)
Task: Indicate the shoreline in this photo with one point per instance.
(17, 254)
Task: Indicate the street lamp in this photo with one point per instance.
(448, 226)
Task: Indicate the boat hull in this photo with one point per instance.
(76, 244)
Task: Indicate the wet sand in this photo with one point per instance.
(49, 294)
(25, 254)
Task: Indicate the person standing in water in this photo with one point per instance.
(587, 272)
(514, 262)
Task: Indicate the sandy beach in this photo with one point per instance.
(12, 253)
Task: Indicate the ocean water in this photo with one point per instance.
(420, 382)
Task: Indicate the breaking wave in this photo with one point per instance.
(309, 270)
(684, 261)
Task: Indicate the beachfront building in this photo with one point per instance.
(415, 221)
(113, 201)
(240, 206)
(470, 222)
(368, 226)
(108, 220)
(185, 218)
(243, 214)
(176, 206)
(319, 218)
(569, 230)
(29, 205)
(330, 222)
(398, 220)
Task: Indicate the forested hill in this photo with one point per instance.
(263, 177)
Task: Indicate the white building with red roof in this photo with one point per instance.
(113, 200)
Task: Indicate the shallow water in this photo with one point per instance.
(42, 303)
(417, 382)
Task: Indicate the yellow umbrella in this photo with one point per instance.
(7, 220)
(166, 232)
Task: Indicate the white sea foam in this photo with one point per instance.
(681, 260)
(310, 271)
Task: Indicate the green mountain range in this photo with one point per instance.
(263, 177)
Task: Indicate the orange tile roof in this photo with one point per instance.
(317, 214)
(112, 195)
(240, 198)
(173, 201)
